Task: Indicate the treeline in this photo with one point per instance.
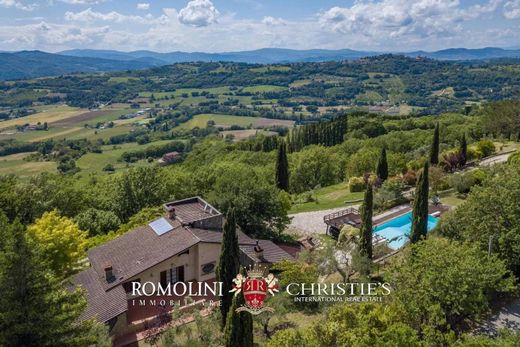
(12, 146)
(324, 133)
(154, 151)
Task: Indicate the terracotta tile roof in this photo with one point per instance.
(102, 305)
(192, 209)
(212, 236)
(271, 252)
(138, 250)
(141, 248)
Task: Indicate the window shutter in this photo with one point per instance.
(180, 273)
(164, 283)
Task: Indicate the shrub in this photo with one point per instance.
(485, 148)
(462, 183)
(109, 168)
(452, 160)
(514, 159)
(479, 176)
(356, 184)
(410, 178)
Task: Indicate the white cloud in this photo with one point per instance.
(273, 21)
(198, 13)
(46, 36)
(143, 6)
(403, 25)
(82, 2)
(398, 18)
(512, 9)
(18, 5)
(89, 15)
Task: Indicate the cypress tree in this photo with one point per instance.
(434, 153)
(366, 223)
(382, 166)
(229, 264)
(239, 325)
(282, 168)
(463, 150)
(420, 207)
(35, 308)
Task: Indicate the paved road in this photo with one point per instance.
(502, 158)
(507, 317)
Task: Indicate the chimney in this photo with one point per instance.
(171, 212)
(259, 251)
(109, 274)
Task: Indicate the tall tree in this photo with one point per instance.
(463, 150)
(35, 309)
(366, 223)
(239, 326)
(61, 240)
(434, 153)
(420, 207)
(229, 265)
(382, 166)
(282, 168)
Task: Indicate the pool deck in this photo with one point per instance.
(389, 215)
(351, 216)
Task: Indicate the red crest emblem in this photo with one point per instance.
(255, 288)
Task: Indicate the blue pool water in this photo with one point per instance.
(397, 230)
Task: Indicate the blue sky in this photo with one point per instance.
(232, 25)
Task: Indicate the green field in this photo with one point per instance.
(69, 123)
(328, 197)
(263, 88)
(264, 69)
(49, 114)
(15, 165)
(95, 162)
(201, 121)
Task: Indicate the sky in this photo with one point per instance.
(237, 25)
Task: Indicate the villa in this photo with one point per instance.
(182, 246)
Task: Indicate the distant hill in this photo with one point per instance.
(468, 54)
(280, 55)
(259, 56)
(30, 64)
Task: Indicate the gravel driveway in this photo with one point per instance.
(310, 222)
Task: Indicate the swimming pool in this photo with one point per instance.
(397, 230)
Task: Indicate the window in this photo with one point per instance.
(173, 275)
(208, 268)
(128, 285)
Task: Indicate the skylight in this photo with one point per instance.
(160, 226)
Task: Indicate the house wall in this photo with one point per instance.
(208, 253)
(188, 260)
(120, 326)
(200, 254)
(214, 223)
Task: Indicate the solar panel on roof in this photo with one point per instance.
(160, 226)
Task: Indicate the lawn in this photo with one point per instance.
(451, 199)
(14, 164)
(201, 121)
(329, 197)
